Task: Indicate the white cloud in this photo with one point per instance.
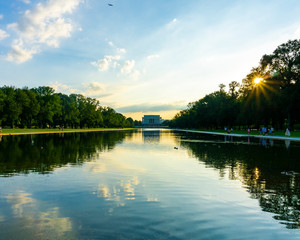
(95, 86)
(45, 24)
(3, 34)
(113, 61)
(95, 89)
(1, 16)
(128, 66)
(153, 56)
(20, 54)
(26, 1)
(105, 63)
(122, 50)
(105, 91)
(63, 87)
(170, 25)
(135, 74)
(147, 107)
(101, 64)
(117, 62)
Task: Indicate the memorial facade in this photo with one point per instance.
(152, 120)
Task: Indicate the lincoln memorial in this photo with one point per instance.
(151, 120)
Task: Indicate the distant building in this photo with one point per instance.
(152, 120)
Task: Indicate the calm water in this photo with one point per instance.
(135, 185)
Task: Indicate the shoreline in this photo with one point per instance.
(241, 135)
(66, 131)
(180, 130)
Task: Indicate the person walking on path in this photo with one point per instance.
(287, 132)
(271, 130)
(265, 131)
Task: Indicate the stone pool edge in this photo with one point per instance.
(241, 135)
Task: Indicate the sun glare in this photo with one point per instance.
(257, 80)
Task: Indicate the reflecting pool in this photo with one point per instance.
(148, 184)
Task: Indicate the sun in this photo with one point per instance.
(257, 80)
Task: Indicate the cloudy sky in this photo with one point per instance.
(139, 56)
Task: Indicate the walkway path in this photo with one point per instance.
(241, 135)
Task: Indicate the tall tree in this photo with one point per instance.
(50, 106)
(2, 104)
(12, 108)
(284, 63)
(31, 111)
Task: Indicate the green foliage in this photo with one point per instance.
(130, 122)
(113, 119)
(274, 101)
(137, 123)
(12, 106)
(42, 107)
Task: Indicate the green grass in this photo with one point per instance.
(39, 130)
(49, 130)
(253, 132)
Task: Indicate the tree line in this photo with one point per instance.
(269, 95)
(41, 107)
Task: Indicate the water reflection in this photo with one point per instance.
(151, 136)
(258, 166)
(228, 138)
(40, 222)
(125, 187)
(287, 143)
(44, 153)
(267, 142)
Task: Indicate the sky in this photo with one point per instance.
(139, 56)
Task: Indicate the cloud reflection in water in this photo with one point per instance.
(36, 219)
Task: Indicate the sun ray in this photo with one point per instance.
(261, 89)
(258, 80)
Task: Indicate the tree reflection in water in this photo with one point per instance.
(258, 165)
(43, 153)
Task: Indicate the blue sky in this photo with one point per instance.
(139, 56)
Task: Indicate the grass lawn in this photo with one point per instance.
(55, 130)
(254, 132)
(49, 130)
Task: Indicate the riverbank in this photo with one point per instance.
(242, 135)
(6, 132)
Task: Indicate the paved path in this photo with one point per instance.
(242, 135)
